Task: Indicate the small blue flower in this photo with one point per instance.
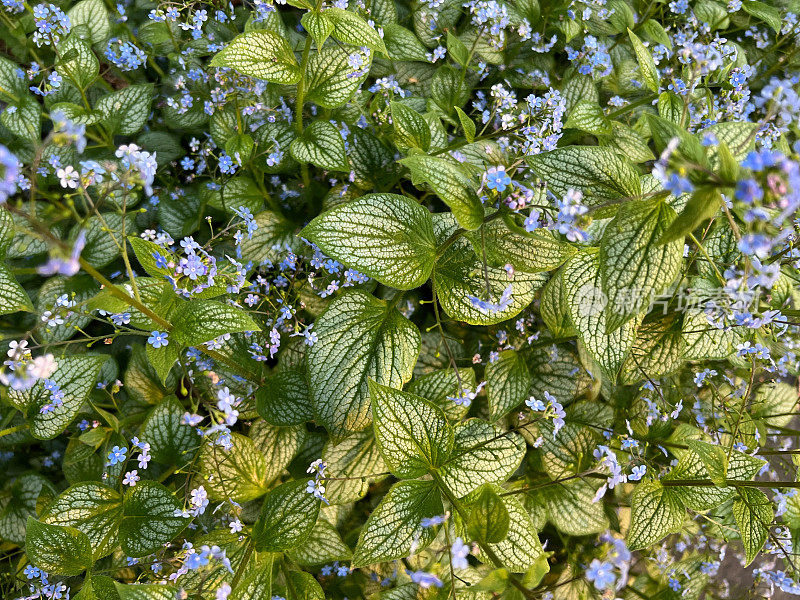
(497, 179)
(677, 185)
(117, 455)
(158, 339)
(748, 191)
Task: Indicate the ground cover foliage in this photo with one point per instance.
(389, 299)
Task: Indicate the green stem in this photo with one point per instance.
(15, 429)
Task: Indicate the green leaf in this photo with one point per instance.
(76, 377)
(766, 13)
(508, 243)
(656, 32)
(303, 586)
(352, 29)
(162, 359)
(582, 288)
(459, 53)
(93, 15)
(482, 453)
(440, 386)
(149, 520)
(330, 81)
(451, 182)
(601, 174)
(411, 130)
(413, 435)
(262, 54)
(93, 509)
(6, 228)
(753, 513)
(56, 549)
(203, 320)
(635, 268)
(171, 442)
(127, 109)
(13, 297)
(318, 26)
(459, 276)
(386, 236)
(571, 508)
(23, 118)
(77, 62)
(22, 496)
(287, 518)
(323, 545)
(589, 117)
(145, 592)
(239, 473)
(98, 587)
(704, 204)
(360, 338)
(402, 44)
(258, 584)
(646, 63)
(321, 145)
(467, 124)
(656, 511)
(627, 142)
(279, 445)
(394, 529)
(353, 465)
(488, 518)
(284, 399)
(521, 547)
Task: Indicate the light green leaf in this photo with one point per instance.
(127, 109)
(410, 128)
(258, 584)
(239, 473)
(145, 592)
(360, 338)
(321, 145)
(656, 511)
(395, 528)
(77, 62)
(353, 465)
(646, 63)
(570, 507)
(22, 496)
(582, 288)
(508, 243)
(284, 399)
(753, 513)
(56, 549)
(262, 54)
(386, 236)
(274, 232)
(587, 116)
(703, 341)
(766, 13)
(171, 442)
(482, 453)
(459, 275)
(413, 435)
(601, 174)
(352, 29)
(13, 297)
(635, 268)
(451, 182)
(319, 27)
(279, 445)
(204, 320)
(402, 44)
(287, 517)
(323, 545)
(149, 519)
(23, 118)
(93, 15)
(330, 77)
(467, 124)
(76, 377)
(569, 452)
(304, 587)
(628, 142)
(488, 518)
(92, 508)
(521, 547)
(439, 387)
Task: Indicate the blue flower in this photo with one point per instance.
(158, 339)
(601, 574)
(748, 191)
(677, 185)
(497, 179)
(117, 455)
